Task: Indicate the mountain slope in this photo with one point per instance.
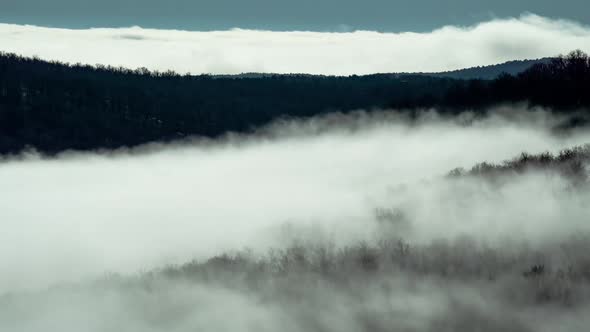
(54, 107)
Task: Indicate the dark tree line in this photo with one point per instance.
(569, 163)
(52, 106)
(562, 83)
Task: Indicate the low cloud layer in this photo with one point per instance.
(349, 223)
(358, 52)
(79, 216)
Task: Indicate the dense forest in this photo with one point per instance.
(52, 107)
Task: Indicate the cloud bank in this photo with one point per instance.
(348, 221)
(359, 52)
(82, 215)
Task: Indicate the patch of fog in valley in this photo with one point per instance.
(337, 223)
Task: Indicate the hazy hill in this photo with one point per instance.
(492, 71)
(489, 72)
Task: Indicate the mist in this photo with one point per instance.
(97, 241)
(125, 211)
(358, 52)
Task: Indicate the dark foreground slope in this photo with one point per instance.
(54, 107)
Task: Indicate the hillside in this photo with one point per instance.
(53, 107)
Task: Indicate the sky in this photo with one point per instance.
(314, 15)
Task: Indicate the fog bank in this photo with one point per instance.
(359, 52)
(80, 215)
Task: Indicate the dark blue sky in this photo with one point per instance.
(320, 15)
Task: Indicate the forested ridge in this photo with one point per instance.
(492, 71)
(52, 107)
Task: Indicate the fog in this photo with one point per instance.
(334, 181)
(357, 52)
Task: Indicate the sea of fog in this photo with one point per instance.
(80, 216)
(82, 232)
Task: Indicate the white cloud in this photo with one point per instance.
(358, 52)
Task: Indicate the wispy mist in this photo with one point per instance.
(337, 223)
(79, 215)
